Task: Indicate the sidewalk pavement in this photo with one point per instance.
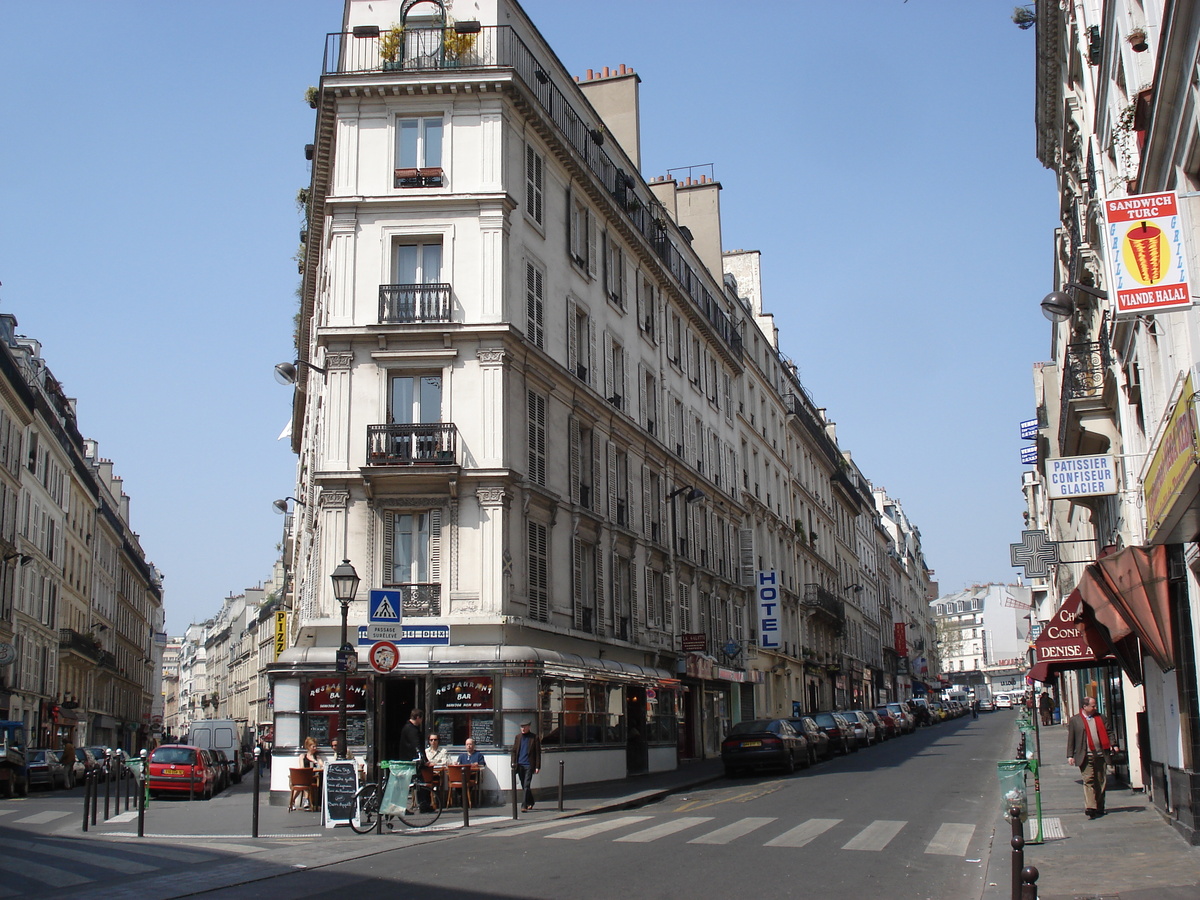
(1131, 853)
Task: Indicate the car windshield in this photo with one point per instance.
(826, 720)
(173, 756)
(882, 712)
(752, 726)
(37, 757)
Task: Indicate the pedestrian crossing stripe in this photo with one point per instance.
(950, 839)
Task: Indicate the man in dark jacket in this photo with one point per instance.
(1088, 746)
(527, 760)
(412, 748)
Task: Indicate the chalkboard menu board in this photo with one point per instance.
(339, 784)
(482, 730)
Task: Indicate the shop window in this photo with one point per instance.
(465, 708)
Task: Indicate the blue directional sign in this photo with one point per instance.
(1029, 455)
(410, 634)
(1029, 430)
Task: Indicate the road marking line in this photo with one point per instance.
(802, 834)
(951, 839)
(104, 861)
(52, 876)
(42, 818)
(578, 834)
(124, 817)
(518, 830)
(731, 832)
(654, 832)
(875, 836)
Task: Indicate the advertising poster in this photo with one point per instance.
(1146, 254)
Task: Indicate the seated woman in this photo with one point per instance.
(312, 754)
(436, 753)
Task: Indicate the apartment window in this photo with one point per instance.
(675, 339)
(614, 372)
(419, 152)
(583, 236)
(413, 546)
(581, 338)
(539, 579)
(619, 489)
(695, 373)
(582, 462)
(647, 309)
(536, 433)
(614, 271)
(623, 604)
(534, 303)
(584, 571)
(649, 401)
(535, 175)
(417, 263)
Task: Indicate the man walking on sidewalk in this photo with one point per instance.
(1088, 746)
(527, 760)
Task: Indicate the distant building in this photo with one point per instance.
(981, 628)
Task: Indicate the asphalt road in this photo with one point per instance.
(912, 818)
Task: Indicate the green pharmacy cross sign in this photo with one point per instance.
(1035, 552)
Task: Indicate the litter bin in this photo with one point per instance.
(1057, 716)
(1011, 773)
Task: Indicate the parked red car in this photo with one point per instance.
(180, 768)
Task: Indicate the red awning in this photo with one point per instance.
(1062, 645)
(1124, 594)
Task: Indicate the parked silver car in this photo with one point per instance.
(46, 768)
(864, 729)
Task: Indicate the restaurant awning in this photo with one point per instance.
(1125, 594)
(1062, 645)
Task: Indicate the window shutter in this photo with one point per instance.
(389, 537)
(593, 244)
(608, 365)
(537, 438)
(643, 409)
(646, 501)
(577, 581)
(435, 546)
(626, 404)
(573, 362)
(534, 179)
(635, 612)
(746, 555)
(575, 458)
(533, 303)
(612, 481)
(595, 473)
(598, 598)
(728, 391)
(639, 287)
(591, 360)
(668, 605)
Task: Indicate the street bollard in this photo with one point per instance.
(1018, 850)
(561, 778)
(141, 804)
(1029, 877)
(107, 779)
(514, 790)
(95, 793)
(254, 817)
(87, 796)
(466, 802)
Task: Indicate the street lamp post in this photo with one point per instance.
(345, 586)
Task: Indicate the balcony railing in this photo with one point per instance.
(401, 304)
(500, 47)
(69, 639)
(419, 601)
(411, 445)
(1084, 369)
(818, 598)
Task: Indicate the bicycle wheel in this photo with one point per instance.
(366, 801)
(425, 803)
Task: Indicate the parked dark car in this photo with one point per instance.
(46, 768)
(758, 743)
(838, 730)
(818, 740)
(883, 729)
(181, 768)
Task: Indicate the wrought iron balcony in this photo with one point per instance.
(410, 303)
(419, 601)
(1085, 370)
(69, 639)
(412, 445)
(825, 601)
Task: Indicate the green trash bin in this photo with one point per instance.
(1011, 773)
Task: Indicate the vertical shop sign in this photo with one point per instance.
(1146, 255)
(280, 632)
(768, 611)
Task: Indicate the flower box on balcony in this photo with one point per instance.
(416, 178)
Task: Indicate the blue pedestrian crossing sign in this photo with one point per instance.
(383, 607)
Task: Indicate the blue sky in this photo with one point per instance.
(880, 154)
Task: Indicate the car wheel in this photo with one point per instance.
(789, 764)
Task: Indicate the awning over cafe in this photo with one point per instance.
(1062, 645)
(1125, 594)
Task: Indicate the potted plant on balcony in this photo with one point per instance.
(457, 43)
(310, 96)
(390, 45)
(1137, 40)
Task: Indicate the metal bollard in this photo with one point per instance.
(514, 791)
(466, 801)
(87, 796)
(141, 805)
(95, 794)
(1018, 850)
(561, 777)
(107, 780)
(257, 770)
(1029, 877)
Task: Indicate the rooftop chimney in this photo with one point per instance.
(614, 95)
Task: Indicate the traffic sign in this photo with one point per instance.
(378, 632)
(383, 656)
(384, 607)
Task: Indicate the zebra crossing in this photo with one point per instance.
(949, 838)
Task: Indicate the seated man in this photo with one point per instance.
(471, 757)
(436, 753)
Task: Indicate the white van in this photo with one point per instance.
(1004, 701)
(222, 734)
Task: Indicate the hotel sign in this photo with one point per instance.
(1146, 255)
(767, 587)
(1174, 463)
(1069, 477)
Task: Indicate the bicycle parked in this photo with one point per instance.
(408, 792)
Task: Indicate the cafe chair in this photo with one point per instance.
(465, 780)
(303, 783)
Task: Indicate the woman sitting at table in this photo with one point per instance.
(471, 757)
(312, 754)
(436, 753)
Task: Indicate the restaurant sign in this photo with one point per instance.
(1175, 462)
(464, 693)
(324, 694)
(1146, 255)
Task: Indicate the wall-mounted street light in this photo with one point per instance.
(285, 373)
(345, 586)
(857, 588)
(1057, 306)
(280, 506)
(692, 495)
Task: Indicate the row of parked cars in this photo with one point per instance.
(173, 768)
(799, 741)
(47, 769)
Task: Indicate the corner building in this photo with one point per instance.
(520, 405)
